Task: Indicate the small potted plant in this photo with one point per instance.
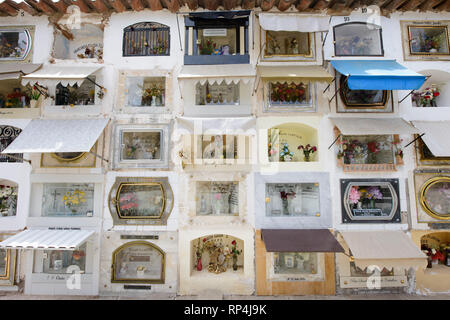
(235, 253)
(307, 150)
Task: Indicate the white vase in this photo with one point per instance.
(153, 101)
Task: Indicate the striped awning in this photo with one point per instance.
(47, 239)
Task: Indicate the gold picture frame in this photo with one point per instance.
(433, 161)
(66, 163)
(408, 27)
(307, 55)
(422, 197)
(161, 280)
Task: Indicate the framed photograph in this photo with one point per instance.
(357, 39)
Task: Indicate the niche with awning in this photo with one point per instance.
(217, 90)
(290, 37)
(366, 85)
(369, 254)
(211, 141)
(70, 85)
(14, 96)
(291, 88)
(55, 254)
(370, 144)
(70, 141)
(295, 261)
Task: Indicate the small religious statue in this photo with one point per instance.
(226, 50)
(123, 268)
(294, 46)
(217, 260)
(274, 46)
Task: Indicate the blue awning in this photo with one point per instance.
(378, 75)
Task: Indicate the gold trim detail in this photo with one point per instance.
(426, 53)
(422, 197)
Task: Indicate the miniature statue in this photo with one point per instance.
(226, 50)
(294, 46)
(275, 47)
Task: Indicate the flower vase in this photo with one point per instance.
(33, 103)
(372, 204)
(359, 205)
(158, 101)
(199, 264)
(153, 101)
(235, 267)
(285, 206)
(307, 157)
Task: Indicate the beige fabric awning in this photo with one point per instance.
(294, 73)
(390, 249)
(51, 75)
(293, 22)
(436, 136)
(230, 73)
(16, 70)
(378, 126)
(236, 125)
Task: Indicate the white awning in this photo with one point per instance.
(294, 73)
(55, 239)
(365, 126)
(390, 249)
(243, 125)
(436, 136)
(16, 70)
(45, 135)
(51, 75)
(293, 22)
(230, 73)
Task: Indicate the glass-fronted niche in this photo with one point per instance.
(289, 96)
(217, 93)
(217, 198)
(7, 266)
(69, 159)
(8, 198)
(425, 157)
(83, 94)
(138, 262)
(217, 37)
(292, 142)
(369, 153)
(142, 146)
(292, 199)
(296, 266)
(84, 42)
(370, 201)
(288, 45)
(141, 201)
(16, 43)
(357, 39)
(7, 135)
(144, 91)
(68, 200)
(61, 261)
(426, 40)
(218, 146)
(434, 197)
(14, 95)
(361, 100)
(217, 253)
(146, 39)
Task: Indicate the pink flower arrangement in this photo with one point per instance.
(354, 195)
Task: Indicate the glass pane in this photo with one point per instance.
(67, 199)
(141, 145)
(57, 261)
(14, 44)
(218, 147)
(146, 39)
(216, 41)
(74, 95)
(361, 97)
(140, 200)
(216, 94)
(287, 43)
(290, 94)
(358, 39)
(437, 198)
(428, 40)
(367, 149)
(3, 261)
(217, 198)
(145, 91)
(87, 43)
(138, 262)
(292, 199)
(8, 200)
(358, 272)
(14, 95)
(370, 200)
(295, 263)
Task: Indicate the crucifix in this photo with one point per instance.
(55, 194)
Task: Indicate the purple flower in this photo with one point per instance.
(374, 193)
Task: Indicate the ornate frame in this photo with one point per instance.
(310, 54)
(30, 32)
(131, 244)
(422, 193)
(427, 53)
(364, 23)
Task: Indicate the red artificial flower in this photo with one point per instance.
(372, 146)
(314, 149)
(435, 94)
(233, 242)
(204, 239)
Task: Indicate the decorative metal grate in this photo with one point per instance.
(7, 135)
(146, 39)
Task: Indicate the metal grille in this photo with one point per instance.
(146, 39)
(7, 135)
